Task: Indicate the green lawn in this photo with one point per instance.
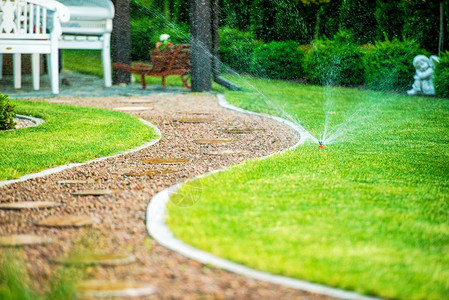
(369, 212)
(69, 134)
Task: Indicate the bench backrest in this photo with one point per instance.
(176, 58)
(89, 17)
(31, 19)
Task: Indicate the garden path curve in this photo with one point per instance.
(121, 212)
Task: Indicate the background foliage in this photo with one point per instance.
(441, 80)
(388, 65)
(280, 60)
(335, 62)
(386, 35)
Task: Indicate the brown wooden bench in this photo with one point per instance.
(173, 61)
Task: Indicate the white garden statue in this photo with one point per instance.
(424, 75)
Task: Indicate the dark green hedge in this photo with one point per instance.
(441, 76)
(335, 62)
(389, 65)
(279, 60)
(236, 49)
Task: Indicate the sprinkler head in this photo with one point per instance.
(321, 145)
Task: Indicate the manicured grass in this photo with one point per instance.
(70, 134)
(83, 61)
(368, 213)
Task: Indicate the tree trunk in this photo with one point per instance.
(441, 35)
(200, 57)
(121, 41)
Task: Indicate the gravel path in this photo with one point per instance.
(122, 214)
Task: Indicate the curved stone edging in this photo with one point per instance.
(158, 229)
(72, 165)
(36, 121)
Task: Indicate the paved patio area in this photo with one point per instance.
(79, 85)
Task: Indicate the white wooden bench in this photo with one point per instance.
(32, 27)
(90, 27)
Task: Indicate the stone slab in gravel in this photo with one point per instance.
(122, 215)
(23, 240)
(123, 289)
(150, 173)
(71, 181)
(214, 141)
(102, 259)
(166, 160)
(242, 130)
(68, 221)
(29, 205)
(99, 192)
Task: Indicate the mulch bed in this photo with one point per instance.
(121, 213)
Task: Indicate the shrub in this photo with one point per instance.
(389, 65)
(278, 60)
(441, 76)
(236, 49)
(142, 32)
(6, 113)
(335, 62)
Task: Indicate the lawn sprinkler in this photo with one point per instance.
(321, 145)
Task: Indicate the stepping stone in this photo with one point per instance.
(93, 193)
(68, 221)
(138, 101)
(74, 181)
(103, 259)
(132, 108)
(196, 113)
(58, 101)
(213, 141)
(103, 288)
(228, 152)
(30, 204)
(193, 120)
(146, 173)
(149, 173)
(163, 160)
(22, 240)
(238, 131)
(167, 171)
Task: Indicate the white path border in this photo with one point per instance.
(72, 165)
(36, 121)
(158, 229)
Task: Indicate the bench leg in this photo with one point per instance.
(17, 58)
(142, 81)
(53, 70)
(106, 57)
(184, 81)
(35, 57)
(163, 82)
